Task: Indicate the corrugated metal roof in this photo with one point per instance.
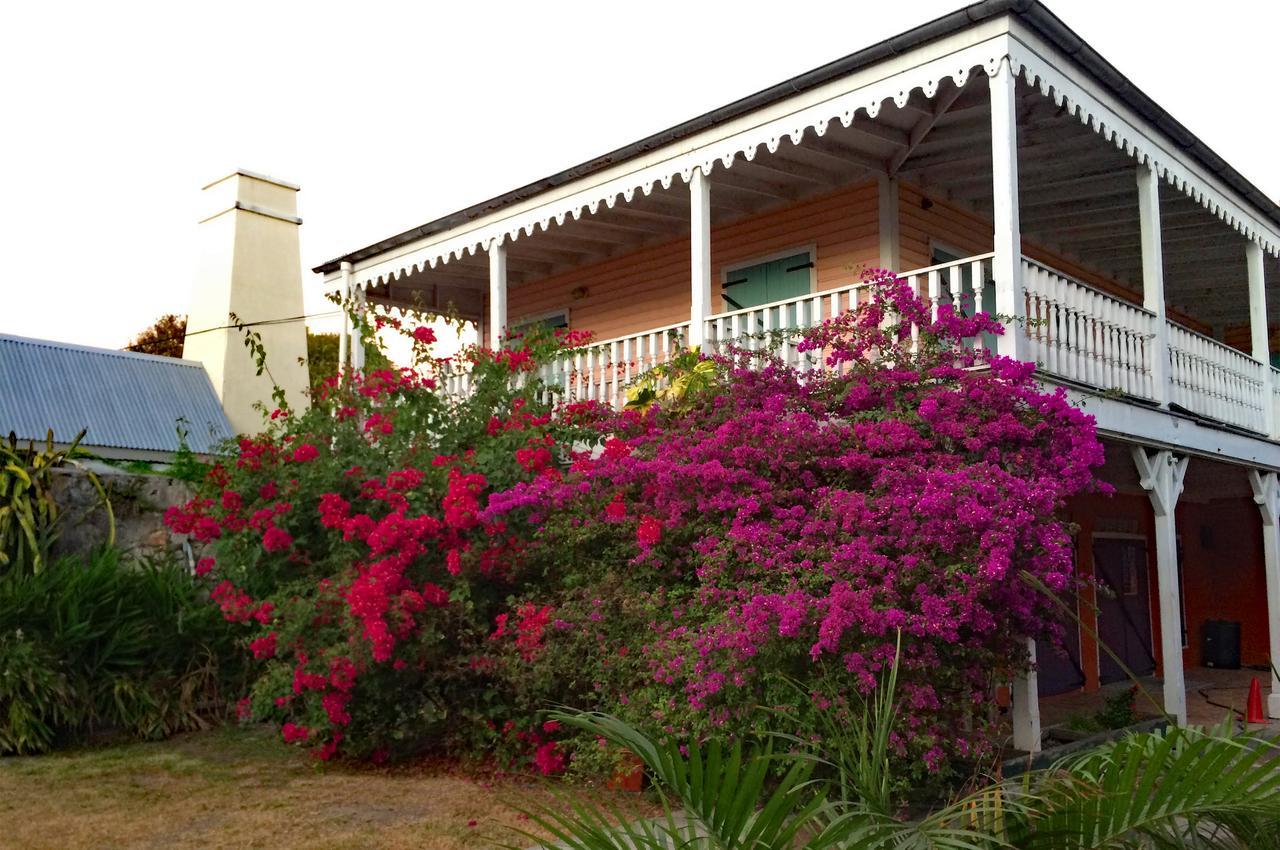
(125, 400)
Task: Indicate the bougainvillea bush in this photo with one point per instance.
(778, 527)
(347, 539)
(417, 571)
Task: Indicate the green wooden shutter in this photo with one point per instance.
(764, 283)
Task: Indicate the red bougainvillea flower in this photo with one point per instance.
(649, 531)
(434, 594)
(294, 733)
(204, 566)
(616, 510)
(305, 452)
(424, 335)
(263, 647)
(276, 539)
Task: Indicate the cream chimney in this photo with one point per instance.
(249, 265)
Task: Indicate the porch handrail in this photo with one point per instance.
(678, 326)
(1216, 380)
(1083, 334)
(1090, 287)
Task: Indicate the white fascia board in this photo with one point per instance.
(952, 57)
(1045, 67)
(1154, 428)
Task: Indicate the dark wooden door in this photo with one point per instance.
(1124, 608)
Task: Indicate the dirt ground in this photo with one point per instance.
(243, 788)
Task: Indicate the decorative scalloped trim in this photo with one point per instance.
(1041, 74)
(957, 66)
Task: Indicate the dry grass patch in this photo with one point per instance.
(243, 788)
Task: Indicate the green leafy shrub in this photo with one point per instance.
(29, 514)
(1176, 788)
(108, 645)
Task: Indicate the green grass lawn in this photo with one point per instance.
(236, 787)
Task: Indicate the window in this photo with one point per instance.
(765, 282)
(550, 321)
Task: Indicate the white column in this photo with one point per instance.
(1026, 707)
(1007, 264)
(890, 238)
(1260, 330)
(344, 337)
(497, 293)
(1266, 493)
(1153, 279)
(700, 255)
(1161, 474)
(357, 335)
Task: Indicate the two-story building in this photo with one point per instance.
(989, 156)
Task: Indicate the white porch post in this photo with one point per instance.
(1161, 474)
(700, 255)
(1260, 330)
(497, 293)
(1007, 265)
(1153, 280)
(357, 334)
(344, 336)
(890, 238)
(1266, 493)
(1026, 707)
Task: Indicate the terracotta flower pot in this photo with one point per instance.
(629, 775)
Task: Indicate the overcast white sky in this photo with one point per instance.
(113, 115)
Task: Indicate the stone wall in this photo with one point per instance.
(138, 501)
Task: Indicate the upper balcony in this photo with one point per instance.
(1077, 334)
(983, 163)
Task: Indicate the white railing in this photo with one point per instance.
(1074, 332)
(455, 379)
(1275, 399)
(778, 323)
(1216, 380)
(602, 370)
(1085, 335)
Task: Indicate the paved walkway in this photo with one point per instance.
(1211, 695)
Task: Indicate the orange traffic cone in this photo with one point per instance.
(1253, 712)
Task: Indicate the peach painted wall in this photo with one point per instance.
(650, 287)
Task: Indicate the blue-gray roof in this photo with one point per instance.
(127, 401)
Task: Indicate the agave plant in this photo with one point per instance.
(29, 514)
(1177, 788)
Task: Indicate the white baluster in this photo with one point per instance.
(935, 294)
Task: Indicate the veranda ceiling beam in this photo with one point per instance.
(834, 152)
(922, 127)
(775, 165)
